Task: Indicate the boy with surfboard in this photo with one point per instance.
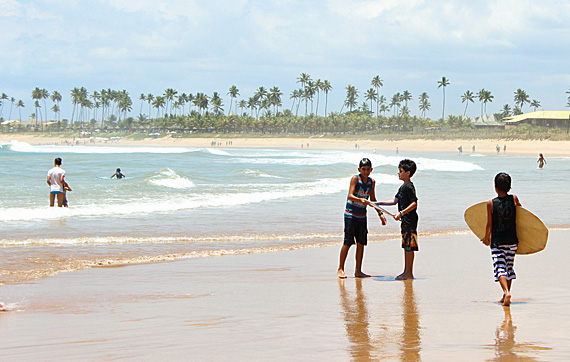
(501, 234)
(361, 188)
(407, 212)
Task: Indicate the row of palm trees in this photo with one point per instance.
(264, 102)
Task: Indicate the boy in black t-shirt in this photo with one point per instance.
(407, 204)
(501, 234)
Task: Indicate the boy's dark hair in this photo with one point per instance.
(503, 182)
(408, 165)
(365, 162)
(118, 170)
(57, 161)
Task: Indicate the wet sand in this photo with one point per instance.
(290, 305)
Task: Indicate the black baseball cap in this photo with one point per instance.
(365, 162)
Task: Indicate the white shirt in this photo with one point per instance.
(55, 175)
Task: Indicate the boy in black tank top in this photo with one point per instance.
(501, 234)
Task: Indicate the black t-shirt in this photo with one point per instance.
(405, 196)
(504, 231)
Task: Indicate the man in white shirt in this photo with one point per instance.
(56, 182)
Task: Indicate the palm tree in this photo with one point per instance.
(395, 102)
(158, 103)
(466, 98)
(535, 104)
(506, 111)
(75, 98)
(242, 105)
(275, 98)
(406, 96)
(149, 99)
(169, 94)
(351, 97)
(295, 96)
(521, 97)
(326, 87)
(444, 82)
(217, 105)
(3, 97)
(487, 98)
(424, 103)
(377, 82)
(56, 98)
(371, 95)
(36, 96)
(44, 94)
(12, 100)
(142, 98)
(318, 88)
(20, 105)
(304, 78)
(55, 110)
(233, 92)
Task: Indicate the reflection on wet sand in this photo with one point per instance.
(374, 336)
(410, 345)
(357, 322)
(506, 349)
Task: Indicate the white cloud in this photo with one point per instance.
(10, 8)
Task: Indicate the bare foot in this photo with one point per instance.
(404, 276)
(502, 299)
(507, 300)
(361, 275)
(341, 274)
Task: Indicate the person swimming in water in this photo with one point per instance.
(118, 174)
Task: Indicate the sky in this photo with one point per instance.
(146, 46)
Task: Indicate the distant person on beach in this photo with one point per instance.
(118, 174)
(501, 234)
(355, 226)
(473, 149)
(407, 206)
(56, 182)
(498, 149)
(460, 149)
(541, 161)
(505, 149)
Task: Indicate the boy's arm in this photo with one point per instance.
(487, 239)
(49, 183)
(390, 202)
(352, 188)
(410, 207)
(373, 199)
(516, 200)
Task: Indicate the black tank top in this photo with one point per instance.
(504, 230)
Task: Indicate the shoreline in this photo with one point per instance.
(482, 146)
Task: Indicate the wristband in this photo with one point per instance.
(401, 213)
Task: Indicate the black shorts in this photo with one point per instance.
(355, 229)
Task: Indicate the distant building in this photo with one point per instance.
(552, 119)
(487, 122)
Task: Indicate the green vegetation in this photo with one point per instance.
(184, 115)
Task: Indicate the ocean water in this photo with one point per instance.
(182, 202)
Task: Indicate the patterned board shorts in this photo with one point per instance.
(504, 261)
(410, 240)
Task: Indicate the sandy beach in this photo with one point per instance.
(290, 306)
(484, 146)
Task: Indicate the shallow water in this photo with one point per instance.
(189, 202)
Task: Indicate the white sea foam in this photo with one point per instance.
(18, 146)
(169, 178)
(171, 203)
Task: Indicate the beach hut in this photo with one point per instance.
(550, 119)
